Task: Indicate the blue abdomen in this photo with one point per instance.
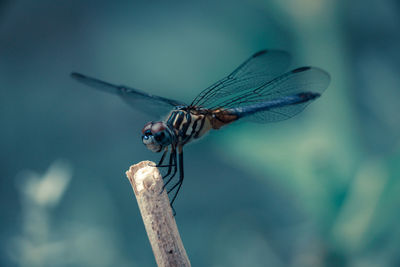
(274, 103)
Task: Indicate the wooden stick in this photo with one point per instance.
(157, 215)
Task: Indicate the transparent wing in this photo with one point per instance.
(255, 71)
(145, 102)
(278, 96)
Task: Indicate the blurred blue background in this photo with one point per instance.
(321, 189)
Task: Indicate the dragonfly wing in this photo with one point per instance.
(279, 99)
(142, 101)
(255, 71)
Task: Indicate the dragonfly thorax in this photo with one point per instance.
(156, 136)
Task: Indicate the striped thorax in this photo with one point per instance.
(188, 125)
(192, 123)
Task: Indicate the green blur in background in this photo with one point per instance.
(320, 189)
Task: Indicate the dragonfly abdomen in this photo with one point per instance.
(274, 104)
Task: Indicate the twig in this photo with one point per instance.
(157, 215)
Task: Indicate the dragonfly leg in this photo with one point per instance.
(173, 158)
(172, 164)
(181, 176)
(162, 158)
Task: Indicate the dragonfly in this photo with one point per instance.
(260, 90)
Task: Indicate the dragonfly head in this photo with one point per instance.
(156, 136)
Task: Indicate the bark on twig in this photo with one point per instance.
(157, 215)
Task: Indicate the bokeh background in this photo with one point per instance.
(321, 189)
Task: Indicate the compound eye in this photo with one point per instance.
(159, 136)
(158, 127)
(147, 128)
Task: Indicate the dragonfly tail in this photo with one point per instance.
(299, 98)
